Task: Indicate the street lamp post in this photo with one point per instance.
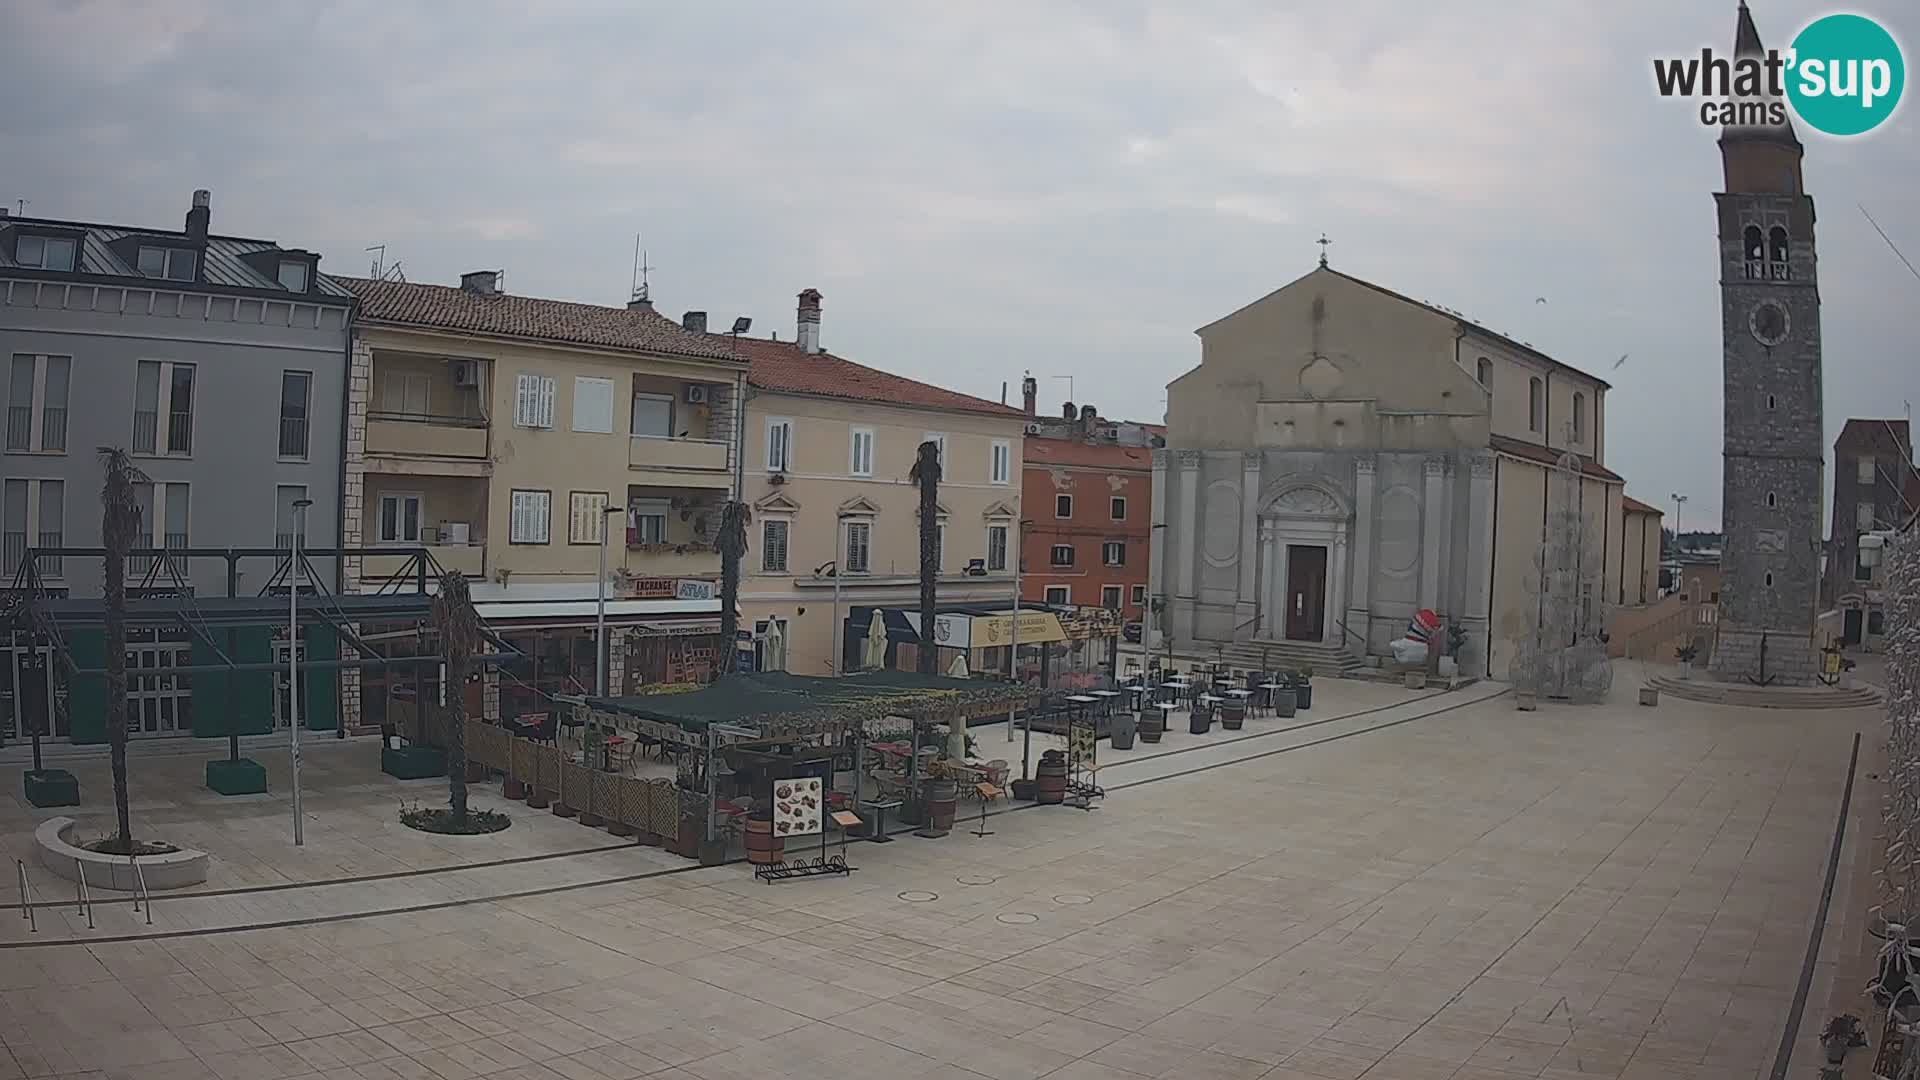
(293, 664)
(1678, 501)
(600, 607)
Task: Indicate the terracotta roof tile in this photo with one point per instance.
(443, 307)
(1635, 506)
(780, 367)
(1536, 452)
(1068, 452)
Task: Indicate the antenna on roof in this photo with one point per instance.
(377, 270)
(640, 289)
(22, 205)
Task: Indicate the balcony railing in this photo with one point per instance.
(180, 433)
(19, 427)
(13, 548)
(293, 436)
(468, 559)
(705, 458)
(429, 436)
(144, 421)
(53, 429)
(50, 565)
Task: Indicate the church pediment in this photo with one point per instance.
(997, 511)
(1292, 497)
(776, 502)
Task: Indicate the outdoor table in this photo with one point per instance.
(1270, 687)
(1211, 699)
(880, 809)
(1106, 699)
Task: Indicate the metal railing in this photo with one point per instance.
(180, 433)
(13, 550)
(81, 895)
(26, 897)
(19, 427)
(53, 428)
(142, 899)
(293, 436)
(145, 424)
(50, 565)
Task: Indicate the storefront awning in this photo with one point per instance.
(504, 614)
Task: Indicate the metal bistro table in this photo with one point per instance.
(1106, 699)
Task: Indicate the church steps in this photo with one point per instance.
(1293, 655)
(1766, 697)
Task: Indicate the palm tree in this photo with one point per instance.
(459, 627)
(119, 526)
(926, 475)
(732, 542)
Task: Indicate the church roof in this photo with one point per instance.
(1536, 453)
(1634, 506)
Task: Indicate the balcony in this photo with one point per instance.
(417, 435)
(469, 559)
(671, 560)
(698, 463)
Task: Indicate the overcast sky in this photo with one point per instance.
(1068, 187)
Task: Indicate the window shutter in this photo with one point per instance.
(525, 389)
(592, 404)
(545, 411)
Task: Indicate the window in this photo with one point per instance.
(43, 252)
(593, 406)
(1861, 571)
(1535, 403)
(859, 547)
(773, 545)
(996, 547)
(1753, 252)
(163, 408)
(860, 452)
(1863, 516)
(174, 264)
(1876, 622)
(530, 516)
(586, 516)
(647, 521)
(1579, 417)
(779, 444)
(406, 394)
(295, 388)
(1113, 553)
(1062, 555)
(1063, 506)
(42, 428)
(532, 401)
(27, 520)
(1117, 508)
(1770, 403)
(1139, 594)
(1110, 597)
(286, 517)
(939, 441)
(1059, 594)
(1483, 371)
(13, 527)
(1001, 471)
(1863, 471)
(1770, 500)
(293, 275)
(1769, 579)
(1778, 267)
(652, 416)
(176, 497)
(400, 518)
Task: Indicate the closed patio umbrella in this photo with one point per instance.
(876, 642)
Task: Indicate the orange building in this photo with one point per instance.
(1087, 527)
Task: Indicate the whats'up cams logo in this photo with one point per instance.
(1842, 76)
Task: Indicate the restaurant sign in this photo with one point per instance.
(666, 588)
(1036, 627)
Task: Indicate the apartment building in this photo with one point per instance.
(1090, 495)
(830, 444)
(1873, 472)
(504, 433)
(219, 362)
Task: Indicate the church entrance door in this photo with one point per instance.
(1306, 591)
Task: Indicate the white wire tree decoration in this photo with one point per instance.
(1898, 876)
(1564, 653)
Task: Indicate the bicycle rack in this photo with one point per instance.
(142, 899)
(26, 898)
(80, 894)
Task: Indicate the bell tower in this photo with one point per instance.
(1773, 468)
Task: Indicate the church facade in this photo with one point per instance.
(1344, 456)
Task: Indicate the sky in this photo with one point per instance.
(985, 189)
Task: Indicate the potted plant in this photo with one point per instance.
(1685, 654)
(1450, 660)
(1285, 699)
(1842, 1033)
(1303, 688)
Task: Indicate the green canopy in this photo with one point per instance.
(788, 700)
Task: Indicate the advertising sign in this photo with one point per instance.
(797, 806)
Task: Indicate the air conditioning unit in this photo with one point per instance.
(1033, 429)
(696, 394)
(466, 372)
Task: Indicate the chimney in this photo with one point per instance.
(1088, 414)
(1067, 411)
(1030, 393)
(200, 215)
(640, 303)
(809, 329)
(481, 282)
(695, 321)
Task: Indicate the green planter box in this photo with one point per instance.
(51, 787)
(413, 762)
(242, 777)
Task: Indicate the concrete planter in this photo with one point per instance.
(50, 787)
(413, 762)
(1649, 696)
(241, 776)
(174, 870)
(1416, 680)
(1525, 700)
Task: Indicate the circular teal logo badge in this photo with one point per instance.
(1845, 75)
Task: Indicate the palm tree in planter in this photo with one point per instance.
(732, 545)
(458, 627)
(926, 476)
(119, 525)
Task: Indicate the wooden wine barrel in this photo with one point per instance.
(1233, 715)
(764, 848)
(1050, 779)
(943, 799)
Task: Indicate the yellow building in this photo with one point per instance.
(829, 445)
(503, 433)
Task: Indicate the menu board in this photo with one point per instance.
(796, 806)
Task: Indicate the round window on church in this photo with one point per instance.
(1768, 321)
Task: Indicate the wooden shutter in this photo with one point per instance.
(592, 404)
(544, 410)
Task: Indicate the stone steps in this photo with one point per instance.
(1326, 660)
(1749, 696)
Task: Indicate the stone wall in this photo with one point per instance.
(1791, 659)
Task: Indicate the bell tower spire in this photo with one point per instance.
(1760, 157)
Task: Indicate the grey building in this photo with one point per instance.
(218, 362)
(1772, 475)
(1872, 471)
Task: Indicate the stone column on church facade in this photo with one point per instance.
(1359, 614)
(1159, 544)
(1248, 604)
(1480, 540)
(1274, 589)
(1189, 542)
(1431, 515)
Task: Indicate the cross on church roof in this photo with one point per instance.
(1324, 243)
